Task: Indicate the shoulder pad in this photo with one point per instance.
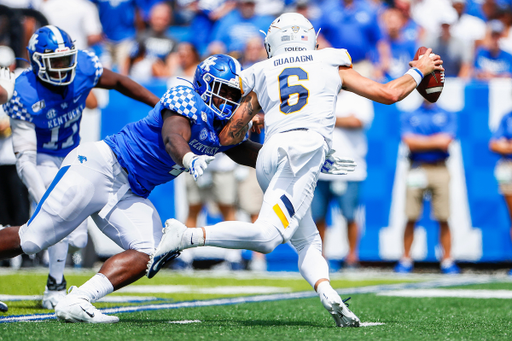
(89, 64)
(182, 100)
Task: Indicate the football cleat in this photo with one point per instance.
(53, 293)
(3, 307)
(168, 248)
(338, 310)
(76, 308)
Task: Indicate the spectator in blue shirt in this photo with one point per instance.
(118, 19)
(394, 61)
(492, 61)
(232, 32)
(352, 25)
(207, 13)
(428, 132)
(501, 143)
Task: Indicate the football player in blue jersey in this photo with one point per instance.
(110, 181)
(7, 81)
(46, 110)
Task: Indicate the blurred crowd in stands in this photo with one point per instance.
(162, 39)
(166, 40)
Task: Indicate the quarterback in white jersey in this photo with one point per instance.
(297, 88)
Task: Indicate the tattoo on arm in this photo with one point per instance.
(237, 127)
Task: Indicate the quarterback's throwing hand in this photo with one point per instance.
(336, 165)
(196, 164)
(7, 80)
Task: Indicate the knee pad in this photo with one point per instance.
(313, 241)
(79, 241)
(30, 247)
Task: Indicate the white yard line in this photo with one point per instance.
(441, 282)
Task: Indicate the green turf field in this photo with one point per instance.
(280, 317)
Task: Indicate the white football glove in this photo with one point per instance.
(196, 164)
(7, 80)
(336, 165)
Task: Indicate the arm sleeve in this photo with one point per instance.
(24, 142)
(247, 80)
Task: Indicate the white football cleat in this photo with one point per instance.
(76, 308)
(53, 292)
(52, 297)
(168, 248)
(338, 310)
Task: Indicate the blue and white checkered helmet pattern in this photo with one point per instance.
(212, 77)
(182, 100)
(52, 55)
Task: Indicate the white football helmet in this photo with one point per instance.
(290, 32)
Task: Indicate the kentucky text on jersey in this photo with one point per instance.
(203, 148)
(140, 149)
(69, 116)
(293, 59)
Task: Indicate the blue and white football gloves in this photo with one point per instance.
(336, 165)
(196, 164)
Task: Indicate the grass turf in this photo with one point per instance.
(297, 319)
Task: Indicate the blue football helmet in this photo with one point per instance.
(52, 54)
(217, 76)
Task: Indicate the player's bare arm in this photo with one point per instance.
(393, 91)
(126, 86)
(237, 126)
(176, 134)
(245, 154)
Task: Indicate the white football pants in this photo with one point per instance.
(287, 168)
(90, 180)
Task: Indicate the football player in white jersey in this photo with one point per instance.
(297, 89)
(7, 80)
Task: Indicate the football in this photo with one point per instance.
(432, 84)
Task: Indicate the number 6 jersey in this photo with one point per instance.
(298, 90)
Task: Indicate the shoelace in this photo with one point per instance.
(345, 301)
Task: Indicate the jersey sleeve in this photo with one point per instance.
(15, 108)
(90, 66)
(182, 100)
(247, 80)
(337, 57)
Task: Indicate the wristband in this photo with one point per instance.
(416, 74)
(187, 160)
(249, 125)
